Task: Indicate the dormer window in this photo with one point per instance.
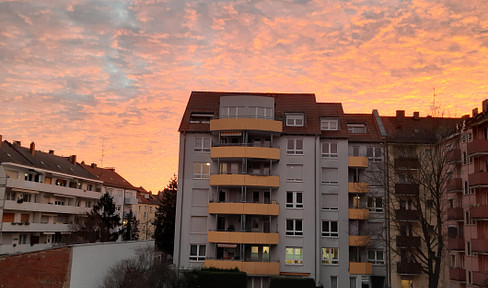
(329, 124)
(295, 119)
(198, 117)
(357, 128)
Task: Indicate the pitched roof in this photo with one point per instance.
(147, 199)
(373, 133)
(108, 176)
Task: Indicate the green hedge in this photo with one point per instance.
(288, 282)
(220, 278)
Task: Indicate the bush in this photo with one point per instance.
(287, 282)
(222, 278)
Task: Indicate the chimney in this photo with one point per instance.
(16, 143)
(0, 137)
(416, 115)
(400, 115)
(51, 152)
(475, 112)
(32, 148)
(72, 159)
(93, 165)
(485, 106)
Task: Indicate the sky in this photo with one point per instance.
(112, 78)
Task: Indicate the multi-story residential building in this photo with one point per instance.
(146, 213)
(266, 184)
(41, 194)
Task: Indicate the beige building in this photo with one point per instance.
(145, 213)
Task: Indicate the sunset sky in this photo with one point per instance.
(76, 76)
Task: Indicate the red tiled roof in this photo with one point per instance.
(108, 176)
(373, 134)
(150, 200)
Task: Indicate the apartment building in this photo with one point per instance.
(272, 183)
(41, 194)
(146, 213)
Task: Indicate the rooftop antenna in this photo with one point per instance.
(434, 108)
(101, 159)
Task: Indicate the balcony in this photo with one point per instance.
(407, 241)
(457, 274)
(479, 278)
(406, 215)
(50, 188)
(479, 179)
(34, 227)
(251, 268)
(455, 214)
(360, 188)
(359, 241)
(406, 163)
(479, 245)
(411, 268)
(358, 161)
(244, 208)
(454, 156)
(244, 180)
(358, 214)
(230, 124)
(479, 213)
(42, 207)
(455, 244)
(455, 185)
(242, 237)
(407, 189)
(245, 152)
(478, 147)
(360, 268)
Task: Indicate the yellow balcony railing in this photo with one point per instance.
(244, 180)
(360, 268)
(360, 187)
(359, 240)
(245, 152)
(358, 214)
(246, 124)
(242, 237)
(358, 161)
(251, 268)
(244, 208)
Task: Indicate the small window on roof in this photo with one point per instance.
(329, 124)
(359, 128)
(201, 117)
(295, 119)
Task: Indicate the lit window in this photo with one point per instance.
(295, 119)
(329, 124)
(375, 204)
(357, 128)
(197, 252)
(294, 147)
(330, 229)
(376, 257)
(294, 256)
(294, 227)
(201, 170)
(294, 200)
(330, 256)
(329, 150)
(202, 144)
(294, 173)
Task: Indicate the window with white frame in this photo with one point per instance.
(197, 252)
(294, 227)
(357, 128)
(374, 154)
(294, 147)
(375, 204)
(330, 256)
(329, 124)
(329, 149)
(329, 202)
(330, 175)
(294, 200)
(295, 119)
(201, 170)
(330, 229)
(294, 256)
(294, 172)
(260, 112)
(202, 144)
(22, 239)
(376, 257)
(233, 112)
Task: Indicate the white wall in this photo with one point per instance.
(91, 262)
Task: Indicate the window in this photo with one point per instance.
(376, 257)
(330, 256)
(329, 150)
(374, 154)
(466, 189)
(294, 227)
(59, 202)
(329, 124)
(202, 144)
(294, 172)
(294, 200)
(329, 202)
(233, 112)
(88, 204)
(468, 219)
(375, 204)
(352, 282)
(330, 175)
(254, 253)
(467, 137)
(333, 282)
(260, 112)
(201, 170)
(330, 229)
(294, 147)
(295, 119)
(294, 256)
(196, 117)
(197, 252)
(22, 239)
(357, 128)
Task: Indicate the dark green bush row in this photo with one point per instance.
(219, 278)
(288, 282)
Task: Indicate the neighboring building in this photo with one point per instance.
(41, 194)
(272, 183)
(146, 213)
